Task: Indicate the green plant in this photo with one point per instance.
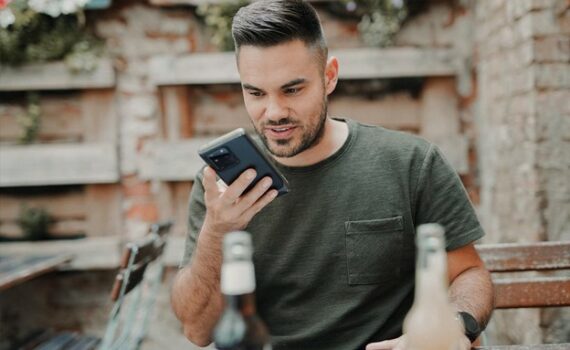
(34, 223)
(218, 19)
(33, 36)
(382, 20)
(30, 122)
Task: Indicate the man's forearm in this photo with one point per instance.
(196, 297)
(472, 291)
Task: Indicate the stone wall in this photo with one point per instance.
(523, 118)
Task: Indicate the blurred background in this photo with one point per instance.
(103, 104)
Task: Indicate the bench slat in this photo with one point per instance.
(509, 257)
(532, 292)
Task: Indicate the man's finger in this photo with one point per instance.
(267, 198)
(209, 180)
(235, 190)
(383, 345)
(251, 197)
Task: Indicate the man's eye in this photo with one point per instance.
(256, 93)
(292, 91)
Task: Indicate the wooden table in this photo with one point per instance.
(565, 346)
(17, 269)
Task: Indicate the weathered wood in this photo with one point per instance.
(507, 257)
(61, 164)
(532, 292)
(89, 253)
(59, 229)
(440, 121)
(177, 122)
(99, 116)
(398, 111)
(55, 76)
(18, 269)
(60, 119)
(171, 161)
(63, 205)
(366, 63)
(104, 210)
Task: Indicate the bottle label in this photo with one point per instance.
(238, 278)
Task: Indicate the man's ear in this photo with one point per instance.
(331, 74)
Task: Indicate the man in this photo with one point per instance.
(335, 257)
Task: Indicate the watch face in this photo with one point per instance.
(472, 329)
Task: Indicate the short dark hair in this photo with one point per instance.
(272, 22)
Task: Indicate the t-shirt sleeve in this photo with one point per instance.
(196, 214)
(441, 198)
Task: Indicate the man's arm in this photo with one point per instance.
(470, 290)
(471, 287)
(196, 298)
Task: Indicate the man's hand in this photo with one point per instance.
(227, 208)
(400, 344)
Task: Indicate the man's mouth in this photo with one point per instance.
(280, 132)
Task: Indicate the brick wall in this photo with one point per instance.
(524, 141)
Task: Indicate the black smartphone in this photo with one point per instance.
(233, 153)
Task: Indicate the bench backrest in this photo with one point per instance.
(542, 289)
(135, 290)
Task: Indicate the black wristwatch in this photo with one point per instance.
(472, 328)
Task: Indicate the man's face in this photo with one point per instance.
(285, 96)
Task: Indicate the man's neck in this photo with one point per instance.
(335, 134)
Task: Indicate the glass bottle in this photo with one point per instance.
(432, 323)
(239, 327)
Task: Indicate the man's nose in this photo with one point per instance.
(276, 109)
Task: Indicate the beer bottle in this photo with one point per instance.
(431, 323)
(239, 327)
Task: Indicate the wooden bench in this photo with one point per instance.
(133, 294)
(542, 289)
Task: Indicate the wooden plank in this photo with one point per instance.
(104, 210)
(364, 63)
(99, 116)
(89, 253)
(62, 205)
(397, 111)
(55, 76)
(177, 112)
(18, 269)
(171, 161)
(507, 257)
(60, 229)
(60, 119)
(440, 121)
(532, 292)
(61, 164)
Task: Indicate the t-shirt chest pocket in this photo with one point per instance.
(374, 250)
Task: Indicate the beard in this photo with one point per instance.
(311, 136)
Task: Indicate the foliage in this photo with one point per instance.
(218, 18)
(34, 223)
(382, 20)
(379, 20)
(39, 31)
(30, 122)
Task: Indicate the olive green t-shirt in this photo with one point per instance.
(335, 257)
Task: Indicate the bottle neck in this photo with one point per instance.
(431, 274)
(238, 286)
(243, 303)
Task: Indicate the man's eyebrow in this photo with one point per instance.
(293, 83)
(250, 87)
